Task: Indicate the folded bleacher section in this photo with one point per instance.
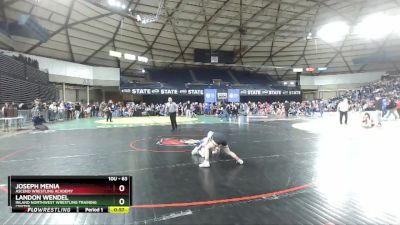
(170, 76)
(21, 83)
(208, 76)
(202, 78)
(246, 77)
(205, 75)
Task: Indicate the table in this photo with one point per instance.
(8, 121)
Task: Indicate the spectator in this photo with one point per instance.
(398, 105)
(321, 107)
(287, 107)
(77, 110)
(392, 109)
(61, 111)
(379, 109)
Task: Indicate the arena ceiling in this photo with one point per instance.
(84, 31)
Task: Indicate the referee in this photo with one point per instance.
(172, 108)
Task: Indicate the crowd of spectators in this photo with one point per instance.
(382, 96)
(26, 60)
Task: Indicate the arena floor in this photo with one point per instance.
(295, 171)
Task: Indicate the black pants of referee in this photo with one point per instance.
(109, 116)
(172, 117)
(341, 117)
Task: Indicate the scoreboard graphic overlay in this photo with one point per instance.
(70, 194)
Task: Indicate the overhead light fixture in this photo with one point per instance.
(333, 32)
(375, 26)
(291, 83)
(297, 70)
(143, 59)
(309, 36)
(129, 56)
(285, 83)
(115, 54)
(116, 3)
(310, 69)
(143, 71)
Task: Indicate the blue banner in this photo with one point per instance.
(234, 95)
(210, 95)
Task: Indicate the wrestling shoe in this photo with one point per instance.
(205, 164)
(240, 161)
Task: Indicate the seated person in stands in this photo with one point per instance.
(367, 121)
(38, 122)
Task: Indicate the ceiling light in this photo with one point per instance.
(112, 2)
(115, 54)
(143, 59)
(333, 32)
(123, 6)
(143, 70)
(129, 56)
(309, 36)
(375, 26)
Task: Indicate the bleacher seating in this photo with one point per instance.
(174, 78)
(206, 75)
(12, 67)
(245, 77)
(170, 76)
(21, 83)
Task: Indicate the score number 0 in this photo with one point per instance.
(121, 187)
